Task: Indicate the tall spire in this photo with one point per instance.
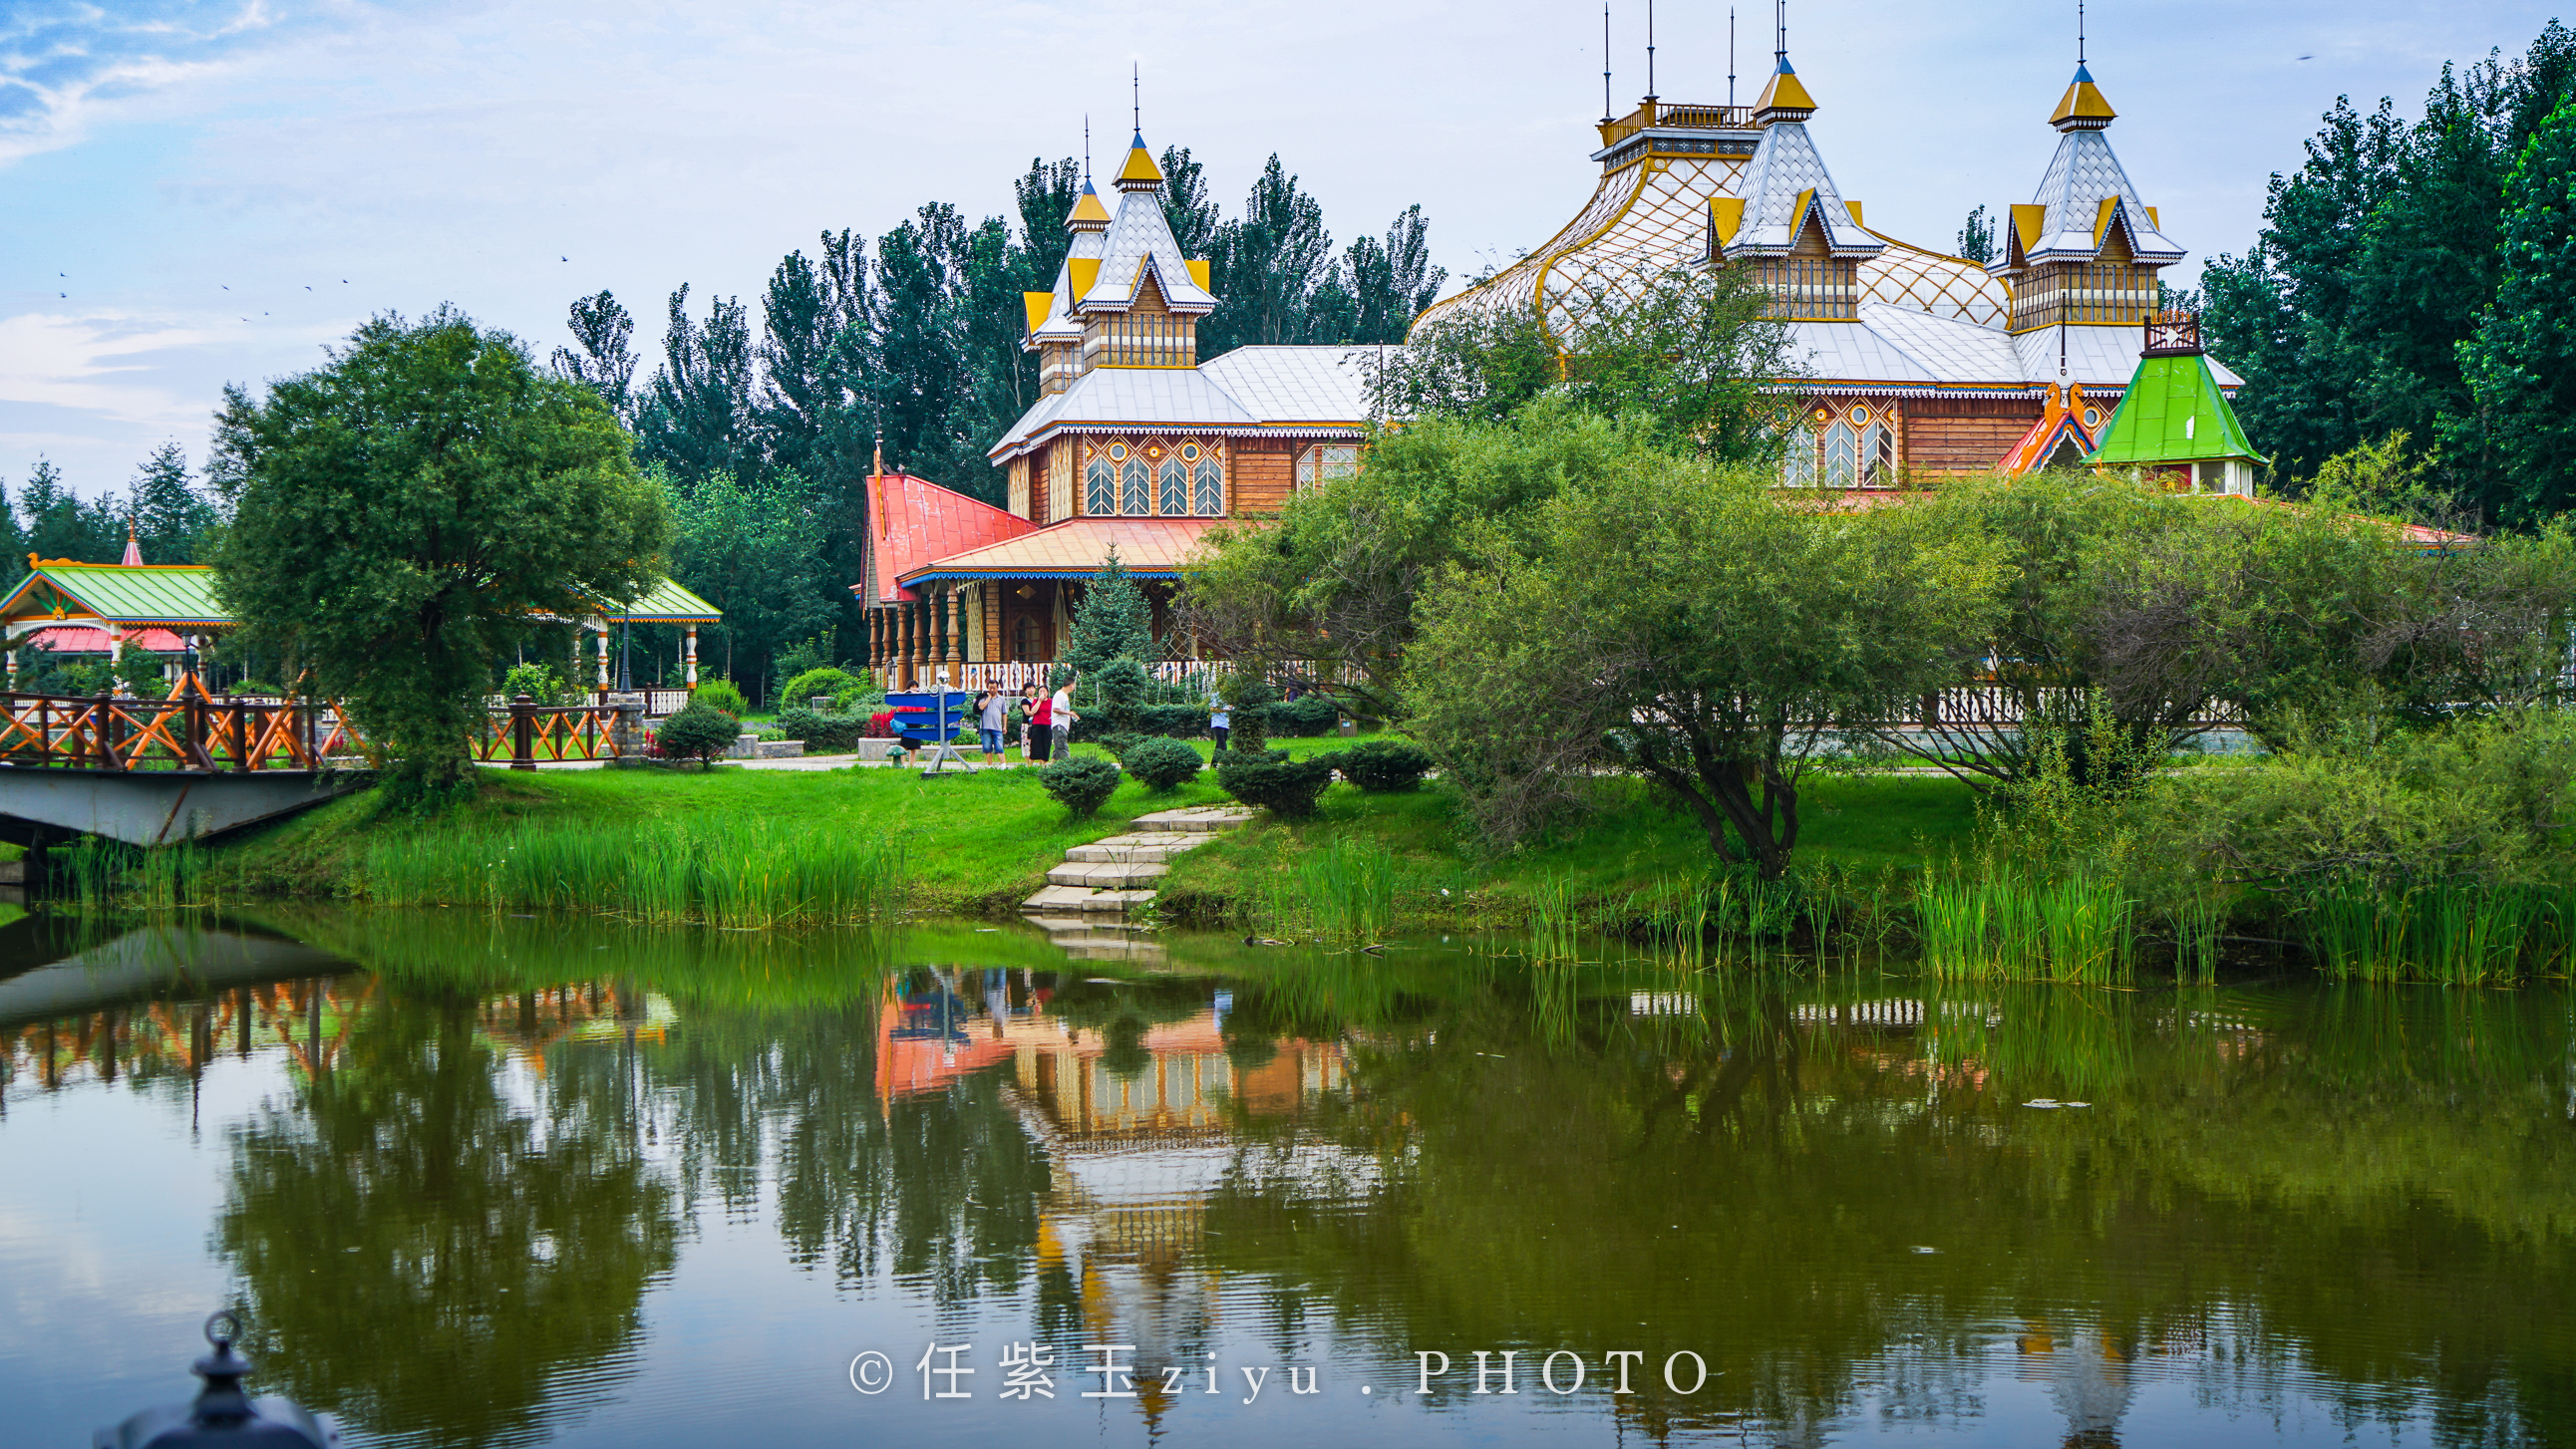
(1650, 49)
(133, 551)
(1605, 63)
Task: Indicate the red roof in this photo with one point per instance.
(73, 639)
(915, 521)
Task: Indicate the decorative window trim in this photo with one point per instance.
(1100, 485)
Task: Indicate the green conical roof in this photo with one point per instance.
(2173, 412)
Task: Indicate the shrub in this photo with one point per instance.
(719, 694)
(538, 682)
(1287, 788)
(827, 682)
(823, 734)
(1162, 764)
(1384, 767)
(1248, 697)
(1120, 687)
(252, 686)
(697, 732)
(861, 698)
(1081, 785)
(1307, 715)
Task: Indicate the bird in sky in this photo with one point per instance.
(63, 294)
(2307, 57)
(566, 259)
(227, 286)
(308, 288)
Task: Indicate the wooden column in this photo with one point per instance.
(956, 631)
(907, 613)
(692, 671)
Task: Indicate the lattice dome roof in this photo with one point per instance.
(1910, 277)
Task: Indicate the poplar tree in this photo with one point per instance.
(2522, 364)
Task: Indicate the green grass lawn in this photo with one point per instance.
(981, 843)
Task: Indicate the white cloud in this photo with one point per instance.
(103, 365)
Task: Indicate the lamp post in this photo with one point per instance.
(221, 1413)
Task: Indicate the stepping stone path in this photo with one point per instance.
(1087, 897)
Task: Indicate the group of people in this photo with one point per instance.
(1044, 721)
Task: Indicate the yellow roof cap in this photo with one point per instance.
(1140, 167)
(2082, 107)
(1785, 92)
(1087, 207)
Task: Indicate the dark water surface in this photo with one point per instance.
(515, 1182)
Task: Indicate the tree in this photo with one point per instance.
(403, 513)
(1194, 218)
(754, 550)
(1267, 266)
(1696, 627)
(606, 362)
(171, 518)
(1977, 238)
(1336, 578)
(1113, 621)
(59, 525)
(697, 414)
(2522, 363)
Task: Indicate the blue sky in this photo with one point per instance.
(197, 193)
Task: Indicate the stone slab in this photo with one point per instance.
(1199, 819)
(1107, 875)
(1088, 902)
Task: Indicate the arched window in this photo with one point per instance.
(1877, 455)
(1100, 483)
(1842, 460)
(1208, 488)
(1132, 499)
(1172, 486)
(1798, 464)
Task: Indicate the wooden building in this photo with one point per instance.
(1914, 362)
(1134, 445)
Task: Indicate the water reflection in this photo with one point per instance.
(1867, 1208)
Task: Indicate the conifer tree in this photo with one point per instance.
(2522, 363)
(1114, 620)
(170, 516)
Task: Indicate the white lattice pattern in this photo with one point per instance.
(1921, 281)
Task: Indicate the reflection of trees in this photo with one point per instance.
(2278, 1178)
(423, 1257)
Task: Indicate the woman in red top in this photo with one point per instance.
(1040, 709)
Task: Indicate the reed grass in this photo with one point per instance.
(1990, 920)
(739, 874)
(1353, 889)
(2456, 934)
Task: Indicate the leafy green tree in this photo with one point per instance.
(59, 525)
(754, 550)
(1194, 218)
(605, 332)
(171, 518)
(1266, 267)
(696, 416)
(1046, 196)
(1693, 626)
(401, 514)
(1114, 620)
(1977, 238)
(2522, 363)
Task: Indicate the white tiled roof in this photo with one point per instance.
(1841, 351)
(1298, 384)
(1140, 234)
(1784, 166)
(1951, 350)
(2096, 356)
(1059, 323)
(1246, 390)
(2082, 173)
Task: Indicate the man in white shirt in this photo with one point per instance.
(1064, 715)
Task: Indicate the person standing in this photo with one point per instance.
(992, 711)
(1028, 718)
(1061, 714)
(1041, 725)
(1219, 719)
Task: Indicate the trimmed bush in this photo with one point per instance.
(719, 694)
(1306, 716)
(1249, 697)
(823, 734)
(827, 682)
(861, 698)
(1164, 765)
(1286, 788)
(697, 733)
(1081, 785)
(1384, 767)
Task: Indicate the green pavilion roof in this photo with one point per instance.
(2172, 412)
(177, 596)
(182, 596)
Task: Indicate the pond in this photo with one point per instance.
(487, 1182)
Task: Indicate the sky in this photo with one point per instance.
(198, 192)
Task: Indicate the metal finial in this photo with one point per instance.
(1605, 64)
(1086, 150)
(2079, 32)
(1780, 32)
(1650, 49)
(1730, 55)
(1136, 94)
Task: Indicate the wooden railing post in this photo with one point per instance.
(523, 733)
(106, 731)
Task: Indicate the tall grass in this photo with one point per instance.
(1987, 919)
(2461, 935)
(737, 874)
(1350, 890)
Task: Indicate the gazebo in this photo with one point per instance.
(100, 608)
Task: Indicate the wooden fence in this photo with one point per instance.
(209, 735)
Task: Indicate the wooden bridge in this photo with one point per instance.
(154, 772)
